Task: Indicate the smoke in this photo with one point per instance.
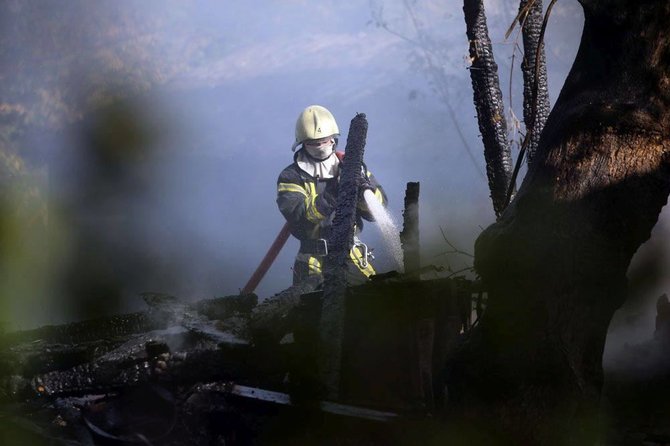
(631, 344)
(152, 135)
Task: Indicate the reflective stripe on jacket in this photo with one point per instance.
(307, 209)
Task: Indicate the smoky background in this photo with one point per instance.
(141, 141)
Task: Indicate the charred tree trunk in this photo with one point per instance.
(534, 69)
(555, 264)
(489, 104)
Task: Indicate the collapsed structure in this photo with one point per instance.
(226, 369)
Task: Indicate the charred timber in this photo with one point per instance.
(87, 331)
(534, 69)
(335, 268)
(410, 233)
(489, 104)
(40, 357)
(164, 367)
(270, 320)
(159, 315)
(70, 355)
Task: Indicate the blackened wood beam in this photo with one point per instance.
(410, 233)
(335, 268)
(489, 104)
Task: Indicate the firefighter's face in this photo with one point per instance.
(320, 148)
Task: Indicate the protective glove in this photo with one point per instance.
(329, 198)
(364, 183)
(331, 187)
(325, 203)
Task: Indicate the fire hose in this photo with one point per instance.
(267, 261)
(272, 253)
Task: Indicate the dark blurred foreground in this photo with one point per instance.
(203, 374)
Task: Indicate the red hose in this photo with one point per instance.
(267, 261)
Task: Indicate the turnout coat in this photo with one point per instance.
(308, 204)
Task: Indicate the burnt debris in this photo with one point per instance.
(198, 373)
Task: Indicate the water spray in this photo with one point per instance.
(388, 228)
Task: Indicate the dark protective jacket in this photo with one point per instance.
(308, 204)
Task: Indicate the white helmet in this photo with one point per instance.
(315, 122)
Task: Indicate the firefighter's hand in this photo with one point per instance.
(326, 202)
(331, 188)
(325, 205)
(365, 184)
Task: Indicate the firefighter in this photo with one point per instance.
(306, 196)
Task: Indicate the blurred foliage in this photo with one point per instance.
(23, 220)
(97, 205)
(70, 67)
(117, 135)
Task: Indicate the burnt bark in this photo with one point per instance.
(489, 104)
(555, 264)
(335, 268)
(534, 69)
